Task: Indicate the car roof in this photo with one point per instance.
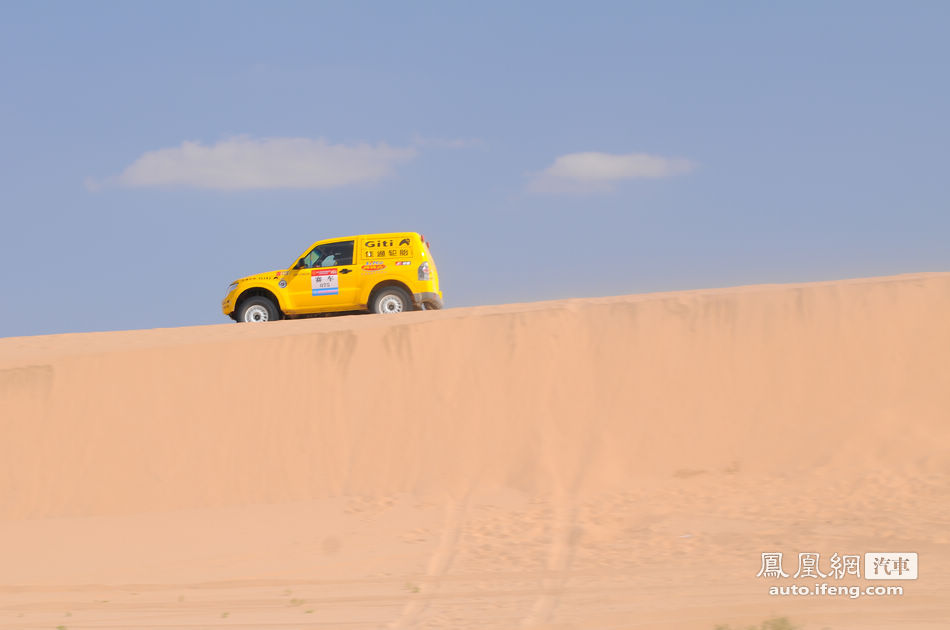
(359, 236)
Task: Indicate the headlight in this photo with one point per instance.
(232, 287)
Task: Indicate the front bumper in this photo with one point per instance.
(227, 304)
(431, 300)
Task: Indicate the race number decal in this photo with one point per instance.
(324, 281)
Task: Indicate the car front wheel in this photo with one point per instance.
(258, 309)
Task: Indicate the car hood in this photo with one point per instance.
(267, 276)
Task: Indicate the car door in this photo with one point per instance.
(327, 281)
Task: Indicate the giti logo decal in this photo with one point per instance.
(373, 266)
(403, 263)
(386, 242)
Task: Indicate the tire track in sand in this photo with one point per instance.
(565, 535)
(439, 562)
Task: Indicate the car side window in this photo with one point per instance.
(330, 255)
(312, 258)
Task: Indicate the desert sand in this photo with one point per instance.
(616, 463)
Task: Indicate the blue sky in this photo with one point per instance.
(153, 152)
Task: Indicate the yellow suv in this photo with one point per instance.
(381, 273)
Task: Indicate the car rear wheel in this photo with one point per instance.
(391, 300)
(258, 309)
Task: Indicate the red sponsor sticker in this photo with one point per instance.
(373, 266)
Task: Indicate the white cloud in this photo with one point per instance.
(244, 163)
(594, 171)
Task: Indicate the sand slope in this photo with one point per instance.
(607, 463)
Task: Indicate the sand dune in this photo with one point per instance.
(603, 463)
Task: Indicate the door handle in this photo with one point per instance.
(346, 270)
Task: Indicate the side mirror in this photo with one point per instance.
(299, 264)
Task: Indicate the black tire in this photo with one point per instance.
(258, 309)
(391, 300)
